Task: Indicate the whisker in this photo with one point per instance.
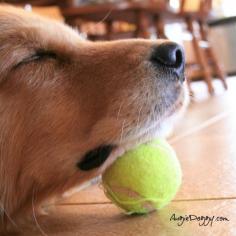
(2, 208)
(138, 120)
(118, 113)
(106, 16)
(122, 131)
(35, 219)
(101, 21)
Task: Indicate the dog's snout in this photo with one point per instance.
(169, 55)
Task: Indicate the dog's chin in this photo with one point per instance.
(148, 133)
(159, 129)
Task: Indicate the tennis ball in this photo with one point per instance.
(143, 179)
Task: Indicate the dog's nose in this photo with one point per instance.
(169, 55)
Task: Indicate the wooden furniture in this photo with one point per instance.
(223, 36)
(137, 14)
(196, 21)
(46, 8)
(32, 2)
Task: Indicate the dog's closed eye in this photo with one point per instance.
(95, 157)
(40, 55)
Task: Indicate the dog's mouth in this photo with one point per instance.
(95, 157)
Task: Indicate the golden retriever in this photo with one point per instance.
(70, 107)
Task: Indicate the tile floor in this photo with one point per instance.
(205, 141)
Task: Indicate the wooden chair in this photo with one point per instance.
(135, 13)
(196, 21)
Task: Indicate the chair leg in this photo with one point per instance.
(109, 29)
(142, 25)
(188, 80)
(160, 28)
(218, 69)
(200, 56)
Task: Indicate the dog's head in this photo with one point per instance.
(69, 107)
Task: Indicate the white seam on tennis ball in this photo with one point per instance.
(142, 199)
(126, 191)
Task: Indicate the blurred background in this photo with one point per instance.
(206, 28)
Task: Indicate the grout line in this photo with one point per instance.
(82, 203)
(204, 199)
(202, 126)
(175, 200)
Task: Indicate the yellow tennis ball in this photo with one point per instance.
(144, 179)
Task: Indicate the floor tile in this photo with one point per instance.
(106, 219)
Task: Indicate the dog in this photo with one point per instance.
(70, 107)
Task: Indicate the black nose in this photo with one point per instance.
(169, 55)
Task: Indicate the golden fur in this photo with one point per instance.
(61, 96)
